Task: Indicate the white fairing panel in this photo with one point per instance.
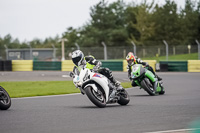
(92, 85)
(86, 75)
(83, 73)
(102, 81)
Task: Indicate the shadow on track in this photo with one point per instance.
(94, 107)
(140, 95)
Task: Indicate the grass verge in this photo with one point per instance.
(42, 88)
(181, 57)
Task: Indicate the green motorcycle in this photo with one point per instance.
(146, 80)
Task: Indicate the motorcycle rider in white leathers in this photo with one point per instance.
(91, 63)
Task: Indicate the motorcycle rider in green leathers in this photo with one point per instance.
(131, 60)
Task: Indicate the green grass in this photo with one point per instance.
(42, 88)
(181, 57)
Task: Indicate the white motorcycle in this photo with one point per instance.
(99, 89)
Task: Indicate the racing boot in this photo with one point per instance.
(117, 84)
(159, 78)
(114, 81)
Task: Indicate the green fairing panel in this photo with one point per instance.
(158, 89)
(137, 82)
(150, 75)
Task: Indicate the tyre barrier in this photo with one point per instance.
(6, 65)
(113, 65)
(193, 65)
(47, 65)
(67, 65)
(22, 65)
(163, 67)
(1, 66)
(174, 66)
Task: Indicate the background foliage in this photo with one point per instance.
(119, 23)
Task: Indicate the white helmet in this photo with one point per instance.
(77, 57)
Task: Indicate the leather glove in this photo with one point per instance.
(99, 64)
(95, 68)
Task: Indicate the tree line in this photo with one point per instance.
(119, 23)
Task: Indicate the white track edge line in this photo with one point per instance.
(51, 96)
(47, 96)
(178, 130)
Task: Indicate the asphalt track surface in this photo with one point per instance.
(177, 109)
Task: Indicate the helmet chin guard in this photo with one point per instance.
(130, 58)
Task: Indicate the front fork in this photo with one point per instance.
(157, 86)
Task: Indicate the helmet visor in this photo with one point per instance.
(76, 60)
(130, 62)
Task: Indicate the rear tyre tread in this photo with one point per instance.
(124, 101)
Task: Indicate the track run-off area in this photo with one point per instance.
(177, 111)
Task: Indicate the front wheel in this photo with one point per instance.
(124, 98)
(96, 97)
(162, 92)
(148, 87)
(5, 101)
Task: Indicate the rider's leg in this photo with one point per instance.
(151, 69)
(106, 72)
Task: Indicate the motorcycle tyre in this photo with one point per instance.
(162, 91)
(124, 101)
(93, 99)
(147, 89)
(2, 105)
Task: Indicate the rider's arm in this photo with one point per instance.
(129, 71)
(139, 61)
(75, 70)
(92, 61)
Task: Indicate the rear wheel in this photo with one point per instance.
(148, 87)
(96, 97)
(5, 101)
(124, 97)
